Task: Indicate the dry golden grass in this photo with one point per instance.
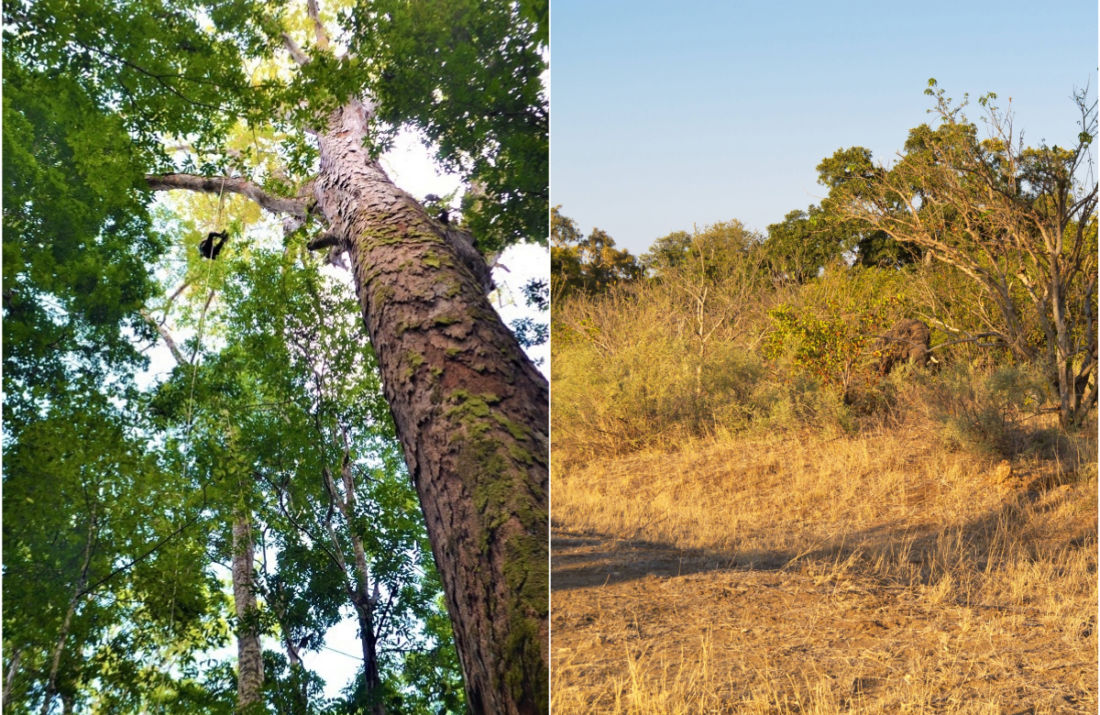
(801, 573)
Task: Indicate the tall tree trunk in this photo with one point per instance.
(250, 664)
(471, 412)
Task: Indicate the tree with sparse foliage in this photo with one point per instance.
(1019, 222)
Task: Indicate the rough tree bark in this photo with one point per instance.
(471, 414)
(250, 664)
(471, 411)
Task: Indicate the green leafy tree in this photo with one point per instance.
(804, 243)
(715, 251)
(847, 173)
(666, 252)
(85, 555)
(590, 263)
(296, 437)
(445, 78)
(800, 246)
(1019, 222)
(107, 103)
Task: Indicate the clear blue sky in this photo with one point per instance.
(666, 115)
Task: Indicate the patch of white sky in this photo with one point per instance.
(673, 115)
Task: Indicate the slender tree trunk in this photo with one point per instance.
(294, 659)
(471, 412)
(59, 647)
(368, 641)
(297, 676)
(361, 597)
(66, 624)
(9, 678)
(250, 665)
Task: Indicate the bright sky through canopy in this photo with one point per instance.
(666, 115)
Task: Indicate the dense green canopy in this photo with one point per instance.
(121, 487)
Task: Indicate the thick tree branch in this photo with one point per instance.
(167, 336)
(219, 184)
(326, 240)
(295, 51)
(318, 27)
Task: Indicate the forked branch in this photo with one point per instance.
(165, 335)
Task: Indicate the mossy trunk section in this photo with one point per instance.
(471, 413)
(250, 664)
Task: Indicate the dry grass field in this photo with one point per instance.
(802, 572)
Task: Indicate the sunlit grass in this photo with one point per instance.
(870, 573)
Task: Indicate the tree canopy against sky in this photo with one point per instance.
(106, 104)
(1018, 221)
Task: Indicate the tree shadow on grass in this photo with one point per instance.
(583, 560)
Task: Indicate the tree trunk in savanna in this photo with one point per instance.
(250, 664)
(471, 412)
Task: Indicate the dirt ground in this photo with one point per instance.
(642, 627)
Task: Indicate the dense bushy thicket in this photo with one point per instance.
(989, 242)
(687, 352)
